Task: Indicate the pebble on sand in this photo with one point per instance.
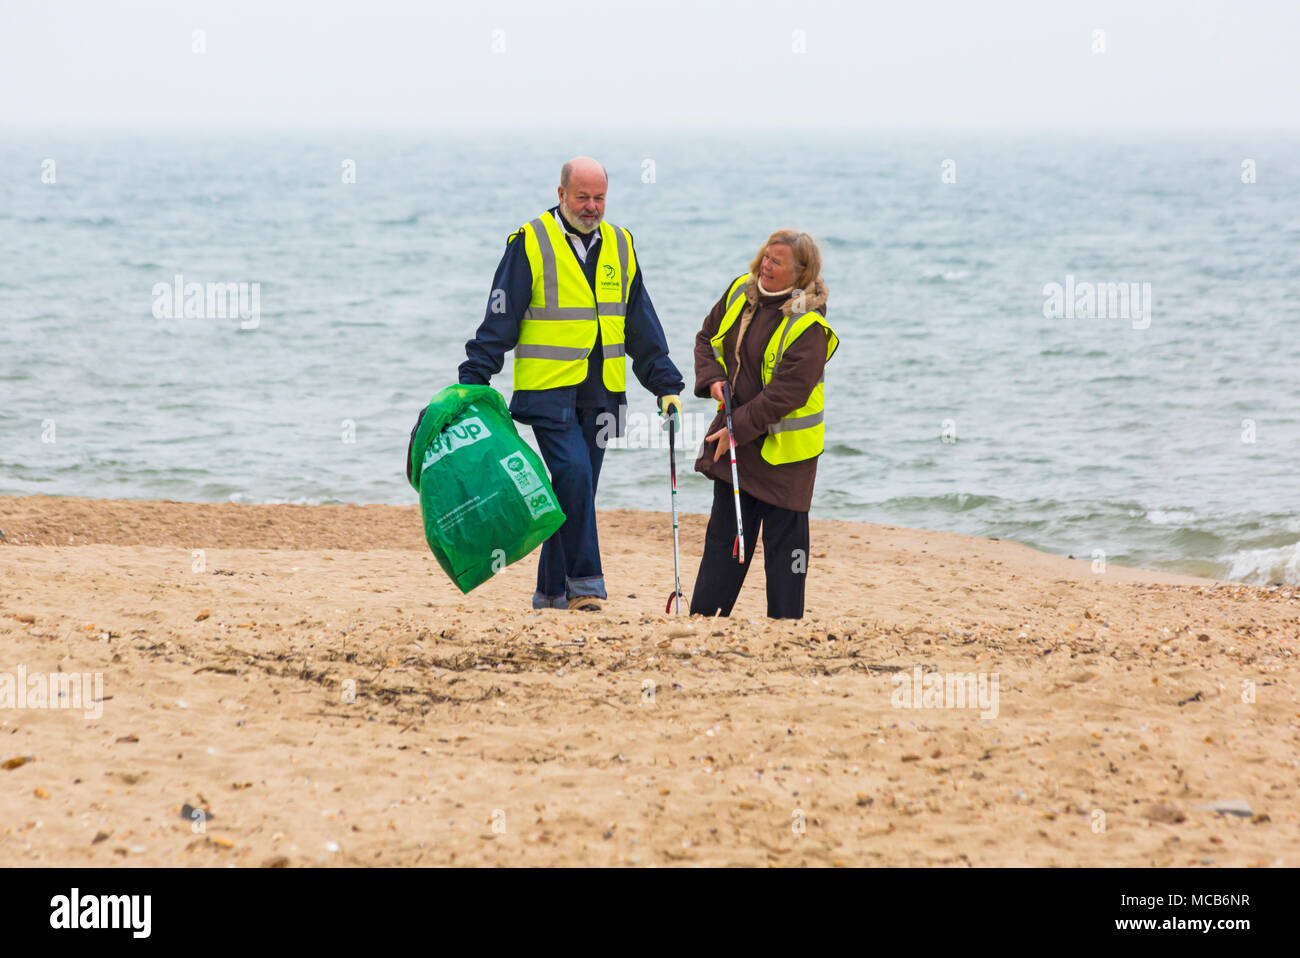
(1234, 806)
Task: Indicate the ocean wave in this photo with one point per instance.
(950, 502)
(1073, 352)
(1192, 543)
(1171, 517)
(412, 220)
(298, 501)
(1265, 566)
(95, 222)
(944, 275)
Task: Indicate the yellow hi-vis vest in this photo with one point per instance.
(558, 330)
(801, 433)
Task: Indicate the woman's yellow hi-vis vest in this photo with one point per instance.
(801, 433)
(558, 329)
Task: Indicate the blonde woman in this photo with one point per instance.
(768, 338)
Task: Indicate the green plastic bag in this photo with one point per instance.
(484, 494)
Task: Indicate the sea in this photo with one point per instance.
(1087, 342)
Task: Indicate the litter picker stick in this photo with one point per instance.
(672, 474)
(738, 547)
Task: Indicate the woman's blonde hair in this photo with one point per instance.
(806, 255)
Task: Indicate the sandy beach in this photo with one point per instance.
(308, 678)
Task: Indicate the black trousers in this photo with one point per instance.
(785, 555)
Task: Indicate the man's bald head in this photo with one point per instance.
(582, 187)
(584, 168)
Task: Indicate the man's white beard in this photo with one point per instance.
(576, 222)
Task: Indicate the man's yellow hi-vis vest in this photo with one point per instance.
(801, 433)
(558, 329)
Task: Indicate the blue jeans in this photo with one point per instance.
(569, 567)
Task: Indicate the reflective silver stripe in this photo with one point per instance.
(739, 291)
(569, 313)
(622, 261)
(822, 377)
(610, 309)
(736, 294)
(614, 349)
(534, 351)
(799, 422)
(550, 273)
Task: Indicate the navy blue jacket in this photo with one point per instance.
(499, 332)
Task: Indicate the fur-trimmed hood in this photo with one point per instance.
(813, 299)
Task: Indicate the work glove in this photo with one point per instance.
(673, 403)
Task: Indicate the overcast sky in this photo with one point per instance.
(1166, 63)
